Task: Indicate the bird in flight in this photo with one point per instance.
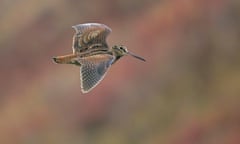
(92, 54)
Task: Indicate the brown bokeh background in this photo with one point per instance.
(188, 91)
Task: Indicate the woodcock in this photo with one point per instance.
(92, 54)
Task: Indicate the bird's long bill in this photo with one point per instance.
(138, 57)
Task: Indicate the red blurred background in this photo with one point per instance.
(188, 91)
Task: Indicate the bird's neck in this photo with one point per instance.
(117, 56)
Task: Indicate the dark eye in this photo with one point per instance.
(121, 48)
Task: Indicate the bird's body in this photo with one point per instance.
(92, 54)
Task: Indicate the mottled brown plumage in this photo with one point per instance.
(92, 54)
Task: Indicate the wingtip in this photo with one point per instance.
(74, 27)
(84, 92)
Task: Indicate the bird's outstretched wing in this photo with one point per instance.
(93, 69)
(90, 36)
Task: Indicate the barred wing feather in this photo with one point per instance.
(93, 69)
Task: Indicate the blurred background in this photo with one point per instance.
(188, 91)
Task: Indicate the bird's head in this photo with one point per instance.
(120, 50)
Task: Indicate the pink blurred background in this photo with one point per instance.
(188, 91)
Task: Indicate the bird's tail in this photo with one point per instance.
(66, 59)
